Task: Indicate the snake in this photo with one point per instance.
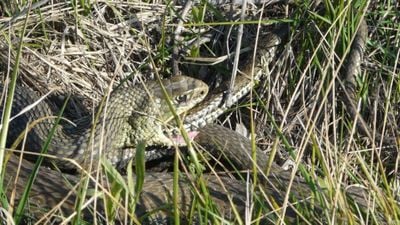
(131, 115)
(141, 114)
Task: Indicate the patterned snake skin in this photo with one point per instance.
(52, 190)
(70, 142)
(131, 115)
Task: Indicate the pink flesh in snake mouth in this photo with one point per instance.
(179, 140)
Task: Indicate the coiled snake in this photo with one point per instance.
(50, 189)
(131, 115)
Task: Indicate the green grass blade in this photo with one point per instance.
(19, 212)
(7, 110)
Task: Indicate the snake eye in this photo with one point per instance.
(181, 98)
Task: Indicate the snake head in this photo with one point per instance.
(183, 92)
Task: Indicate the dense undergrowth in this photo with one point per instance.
(84, 47)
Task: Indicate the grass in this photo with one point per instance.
(83, 46)
(4, 130)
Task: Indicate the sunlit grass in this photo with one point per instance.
(301, 116)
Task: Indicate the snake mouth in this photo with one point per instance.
(177, 138)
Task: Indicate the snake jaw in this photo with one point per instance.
(180, 140)
(183, 92)
(174, 136)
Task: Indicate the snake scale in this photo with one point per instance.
(50, 190)
(131, 115)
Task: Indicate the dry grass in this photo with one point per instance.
(81, 50)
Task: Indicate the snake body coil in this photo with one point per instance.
(130, 115)
(123, 129)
